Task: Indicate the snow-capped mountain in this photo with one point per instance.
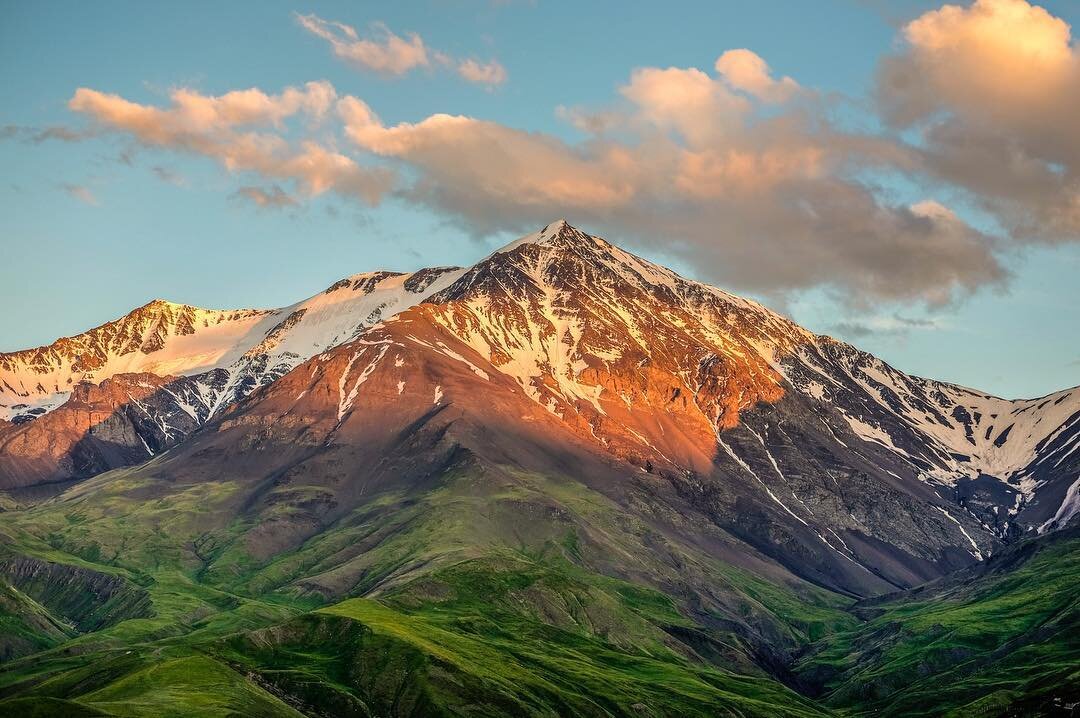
(159, 337)
(671, 375)
(1002, 458)
(169, 339)
(80, 405)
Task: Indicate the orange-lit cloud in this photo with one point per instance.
(734, 168)
(769, 203)
(994, 90)
(466, 159)
(221, 127)
(686, 100)
(745, 70)
(490, 73)
(390, 54)
(385, 52)
(272, 197)
(81, 193)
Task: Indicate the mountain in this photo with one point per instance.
(564, 480)
(90, 391)
(234, 347)
(618, 348)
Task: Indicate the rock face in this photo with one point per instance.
(119, 422)
(562, 354)
(1014, 465)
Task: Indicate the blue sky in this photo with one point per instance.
(91, 228)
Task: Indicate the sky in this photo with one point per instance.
(902, 175)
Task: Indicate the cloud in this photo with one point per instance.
(194, 115)
(733, 169)
(167, 175)
(772, 202)
(491, 74)
(488, 171)
(37, 135)
(993, 89)
(385, 53)
(81, 193)
(744, 70)
(688, 101)
(852, 330)
(389, 54)
(231, 128)
(894, 325)
(272, 197)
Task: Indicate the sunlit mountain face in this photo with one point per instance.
(783, 419)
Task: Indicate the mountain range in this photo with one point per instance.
(562, 481)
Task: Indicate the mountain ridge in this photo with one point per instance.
(563, 479)
(570, 304)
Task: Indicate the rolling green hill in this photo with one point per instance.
(477, 602)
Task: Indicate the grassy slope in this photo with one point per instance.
(28, 627)
(457, 652)
(494, 593)
(469, 638)
(1003, 637)
(465, 572)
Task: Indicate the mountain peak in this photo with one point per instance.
(161, 304)
(559, 231)
(558, 227)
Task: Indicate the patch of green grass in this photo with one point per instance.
(187, 686)
(988, 640)
(437, 663)
(498, 592)
(28, 627)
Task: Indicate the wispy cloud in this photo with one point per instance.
(491, 73)
(272, 197)
(894, 325)
(167, 175)
(385, 52)
(81, 193)
(37, 135)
